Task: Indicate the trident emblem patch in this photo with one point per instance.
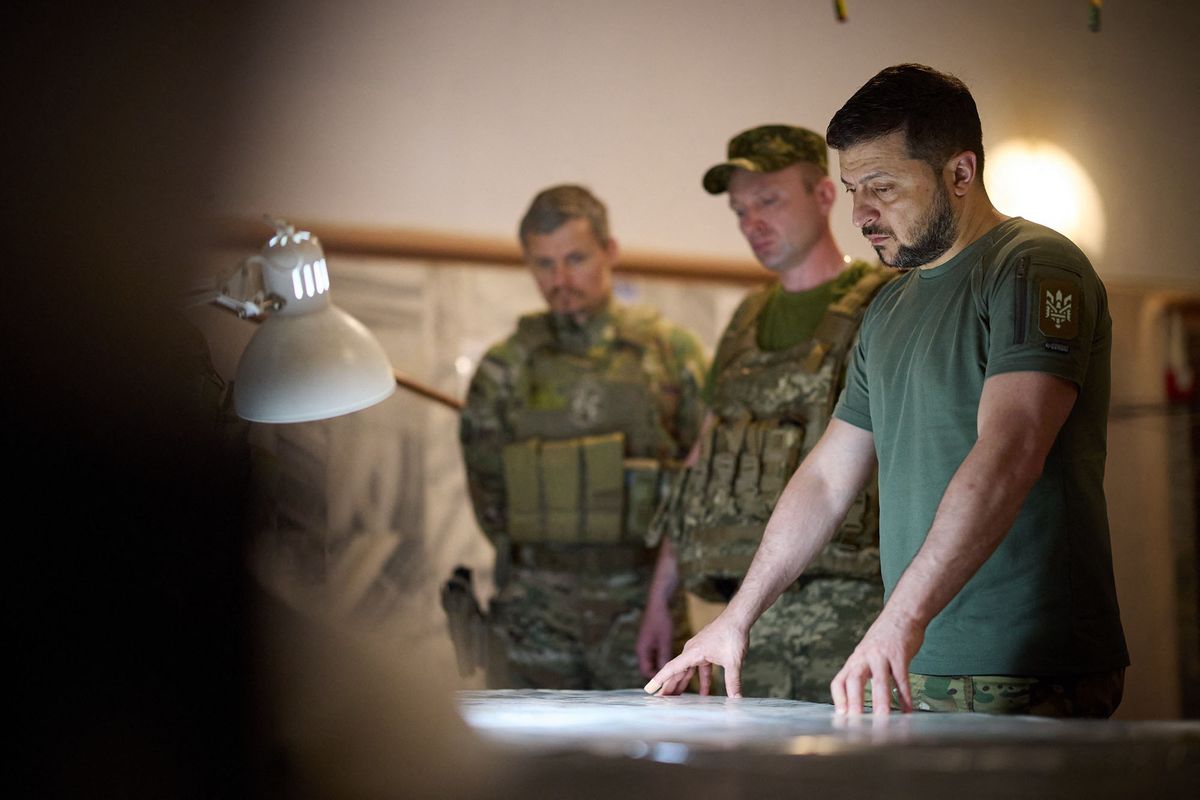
(1058, 308)
(1060, 304)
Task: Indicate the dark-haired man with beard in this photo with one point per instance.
(980, 386)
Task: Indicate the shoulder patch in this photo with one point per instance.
(1060, 304)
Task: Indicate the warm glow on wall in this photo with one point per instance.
(1042, 182)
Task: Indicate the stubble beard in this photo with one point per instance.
(938, 231)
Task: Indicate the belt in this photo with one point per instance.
(574, 558)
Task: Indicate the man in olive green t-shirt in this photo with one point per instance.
(980, 387)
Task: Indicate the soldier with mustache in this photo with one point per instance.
(571, 426)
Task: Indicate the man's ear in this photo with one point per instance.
(826, 193)
(612, 249)
(961, 169)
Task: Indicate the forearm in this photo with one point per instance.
(813, 503)
(804, 520)
(666, 576)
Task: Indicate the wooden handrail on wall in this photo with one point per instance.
(404, 243)
(248, 234)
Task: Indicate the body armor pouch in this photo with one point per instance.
(772, 407)
(728, 496)
(581, 491)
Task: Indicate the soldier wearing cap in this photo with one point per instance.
(570, 428)
(774, 380)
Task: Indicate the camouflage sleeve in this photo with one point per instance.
(688, 365)
(483, 431)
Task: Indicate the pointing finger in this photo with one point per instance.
(670, 670)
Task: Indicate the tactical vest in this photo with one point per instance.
(771, 408)
(586, 466)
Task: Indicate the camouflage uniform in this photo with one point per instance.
(565, 435)
(1090, 695)
(771, 408)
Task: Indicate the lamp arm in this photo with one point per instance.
(428, 392)
(240, 291)
(246, 309)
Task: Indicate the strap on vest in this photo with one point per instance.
(839, 323)
(743, 330)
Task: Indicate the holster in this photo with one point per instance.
(466, 621)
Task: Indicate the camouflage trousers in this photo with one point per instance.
(1091, 695)
(804, 638)
(566, 630)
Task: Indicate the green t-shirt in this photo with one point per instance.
(788, 318)
(1021, 298)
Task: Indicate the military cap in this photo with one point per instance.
(767, 148)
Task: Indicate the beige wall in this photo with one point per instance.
(450, 114)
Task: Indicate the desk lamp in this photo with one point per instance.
(309, 360)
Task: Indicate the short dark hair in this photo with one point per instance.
(554, 206)
(935, 110)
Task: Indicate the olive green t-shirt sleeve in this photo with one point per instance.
(853, 405)
(1043, 306)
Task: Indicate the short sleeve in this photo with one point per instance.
(1043, 308)
(854, 405)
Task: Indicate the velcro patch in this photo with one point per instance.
(1060, 304)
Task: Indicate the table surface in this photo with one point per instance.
(759, 745)
(631, 721)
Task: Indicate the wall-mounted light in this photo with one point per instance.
(1043, 183)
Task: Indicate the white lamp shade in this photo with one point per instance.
(299, 368)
